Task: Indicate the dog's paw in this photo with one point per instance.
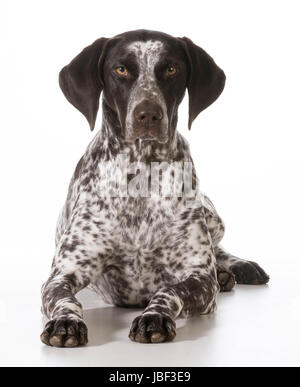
(63, 332)
(152, 328)
(226, 279)
(249, 273)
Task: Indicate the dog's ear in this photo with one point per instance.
(205, 79)
(81, 80)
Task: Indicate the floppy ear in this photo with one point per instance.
(81, 81)
(205, 82)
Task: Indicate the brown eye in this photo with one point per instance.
(171, 70)
(121, 70)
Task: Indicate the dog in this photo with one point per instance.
(160, 253)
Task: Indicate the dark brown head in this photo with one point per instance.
(143, 76)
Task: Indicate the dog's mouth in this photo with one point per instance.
(150, 136)
(147, 137)
(151, 140)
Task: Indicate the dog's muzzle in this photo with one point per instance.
(147, 122)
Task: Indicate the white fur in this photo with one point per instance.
(148, 54)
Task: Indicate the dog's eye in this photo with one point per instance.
(121, 70)
(171, 70)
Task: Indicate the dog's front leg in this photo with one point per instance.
(65, 327)
(79, 259)
(194, 293)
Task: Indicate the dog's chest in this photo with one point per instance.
(142, 229)
(144, 223)
(140, 217)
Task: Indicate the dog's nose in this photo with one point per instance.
(148, 113)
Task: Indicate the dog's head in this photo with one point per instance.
(143, 75)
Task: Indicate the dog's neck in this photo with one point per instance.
(112, 137)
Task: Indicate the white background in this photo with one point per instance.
(245, 146)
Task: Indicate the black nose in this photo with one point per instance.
(148, 113)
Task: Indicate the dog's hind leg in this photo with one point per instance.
(216, 228)
(230, 268)
(245, 272)
(226, 278)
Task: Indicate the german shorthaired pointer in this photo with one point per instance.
(159, 252)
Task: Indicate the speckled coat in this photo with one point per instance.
(158, 253)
